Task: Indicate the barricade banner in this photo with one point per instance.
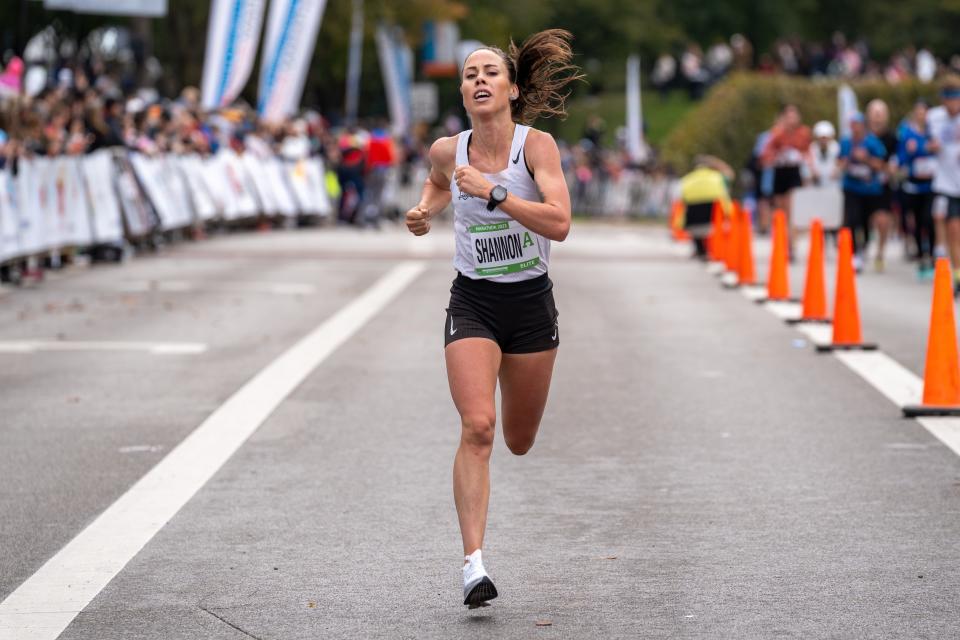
(239, 196)
(192, 170)
(165, 189)
(31, 207)
(276, 177)
(97, 170)
(80, 230)
(253, 169)
(137, 212)
(9, 221)
(305, 178)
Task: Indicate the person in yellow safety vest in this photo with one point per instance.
(707, 183)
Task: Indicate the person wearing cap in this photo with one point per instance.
(943, 123)
(823, 156)
(862, 161)
(917, 165)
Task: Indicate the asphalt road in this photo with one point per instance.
(700, 472)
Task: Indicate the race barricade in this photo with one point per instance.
(115, 196)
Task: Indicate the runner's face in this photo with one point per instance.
(485, 84)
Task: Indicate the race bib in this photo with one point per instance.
(860, 171)
(503, 247)
(924, 168)
(790, 157)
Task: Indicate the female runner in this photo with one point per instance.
(510, 200)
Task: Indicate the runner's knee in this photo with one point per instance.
(478, 429)
(520, 445)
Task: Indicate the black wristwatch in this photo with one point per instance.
(497, 195)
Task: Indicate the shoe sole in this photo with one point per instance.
(481, 592)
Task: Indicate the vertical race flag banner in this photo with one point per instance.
(396, 66)
(635, 144)
(232, 36)
(354, 62)
(846, 107)
(288, 46)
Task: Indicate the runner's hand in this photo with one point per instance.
(471, 182)
(418, 220)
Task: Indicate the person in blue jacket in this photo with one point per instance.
(862, 162)
(918, 162)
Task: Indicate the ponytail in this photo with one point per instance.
(541, 68)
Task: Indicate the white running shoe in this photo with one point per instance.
(477, 586)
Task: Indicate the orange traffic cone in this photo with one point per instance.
(941, 377)
(846, 312)
(814, 290)
(676, 222)
(746, 274)
(718, 249)
(778, 280)
(732, 259)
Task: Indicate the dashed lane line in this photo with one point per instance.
(45, 604)
(155, 348)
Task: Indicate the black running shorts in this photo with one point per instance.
(521, 317)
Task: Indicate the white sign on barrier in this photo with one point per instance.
(78, 205)
(242, 199)
(192, 170)
(97, 169)
(30, 199)
(165, 190)
(808, 203)
(276, 176)
(253, 169)
(305, 178)
(137, 213)
(9, 222)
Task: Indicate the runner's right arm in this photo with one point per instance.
(436, 190)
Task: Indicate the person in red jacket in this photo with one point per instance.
(785, 152)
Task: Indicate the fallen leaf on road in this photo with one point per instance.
(610, 558)
(544, 623)
(311, 605)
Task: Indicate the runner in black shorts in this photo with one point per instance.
(510, 200)
(785, 151)
(878, 121)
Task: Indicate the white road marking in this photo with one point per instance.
(947, 430)
(715, 268)
(897, 383)
(819, 333)
(900, 385)
(783, 309)
(45, 604)
(155, 348)
(186, 286)
(754, 292)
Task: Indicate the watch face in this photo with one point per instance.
(499, 193)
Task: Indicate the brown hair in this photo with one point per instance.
(541, 68)
(950, 82)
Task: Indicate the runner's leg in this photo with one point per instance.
(524, 385)
(472, 365)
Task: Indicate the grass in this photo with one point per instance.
(660, 115)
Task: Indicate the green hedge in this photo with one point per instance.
(735, 111)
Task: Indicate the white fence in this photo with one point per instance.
(112, 195)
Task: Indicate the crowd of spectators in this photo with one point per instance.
(79, 103)
(695, 69)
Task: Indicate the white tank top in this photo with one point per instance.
(491, 244)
